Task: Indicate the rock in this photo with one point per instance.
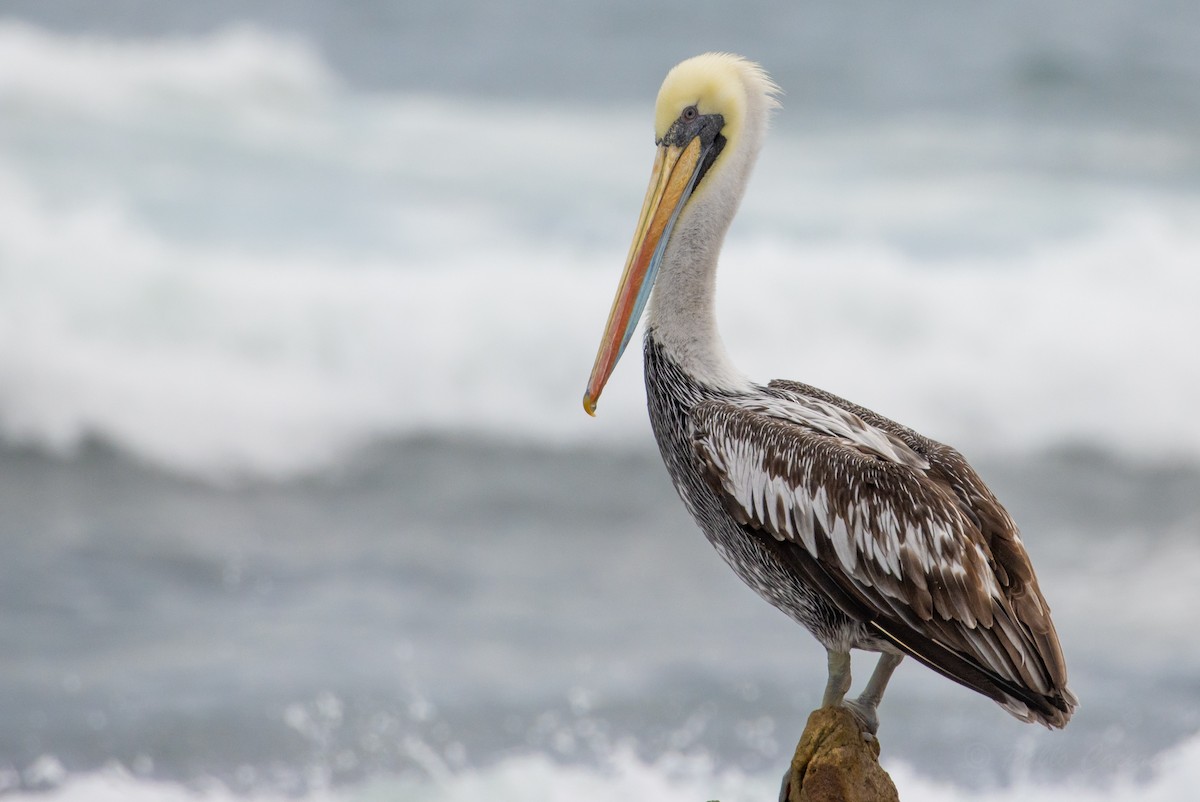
(834, 763)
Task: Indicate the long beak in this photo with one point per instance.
(671, 183)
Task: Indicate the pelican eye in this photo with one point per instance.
(689, 114)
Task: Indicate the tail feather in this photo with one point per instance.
(1053, 710)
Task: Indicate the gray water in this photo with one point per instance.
(497, 598)
(1124, 62)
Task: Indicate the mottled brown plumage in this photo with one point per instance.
(906, 538)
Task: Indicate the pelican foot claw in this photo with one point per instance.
(866, 716)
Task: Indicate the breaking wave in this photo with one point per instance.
(217, 257)
(532, 778)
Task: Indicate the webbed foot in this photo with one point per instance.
(865, 714)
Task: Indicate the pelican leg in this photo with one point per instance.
(839, 679)
(835, 694)
(865, 706)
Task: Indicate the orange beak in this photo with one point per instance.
(671, 183)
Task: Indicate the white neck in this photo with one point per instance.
(682, 314)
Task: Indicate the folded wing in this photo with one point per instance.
(897, 530)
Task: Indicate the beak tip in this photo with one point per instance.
(589, 404)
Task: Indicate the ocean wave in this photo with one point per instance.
(208, 361)
(1172, 777)
(236, 287)
(100, 74)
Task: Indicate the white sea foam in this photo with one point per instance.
(88, 73)
(231, 284)
(535, 778)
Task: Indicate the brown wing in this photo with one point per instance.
(898, 530)
(949, 468)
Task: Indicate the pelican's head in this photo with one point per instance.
(708, 124)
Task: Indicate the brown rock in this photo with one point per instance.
(833, 763)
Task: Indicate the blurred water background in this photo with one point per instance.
(297, 303)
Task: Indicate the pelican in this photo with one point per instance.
(870, 535)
